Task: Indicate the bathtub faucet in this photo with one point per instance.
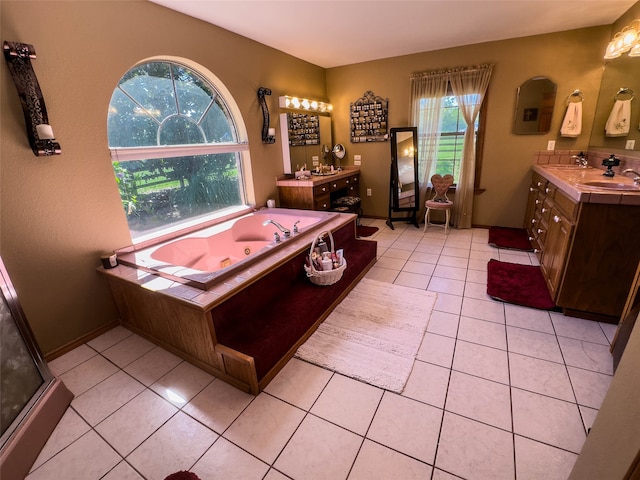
(286, 231)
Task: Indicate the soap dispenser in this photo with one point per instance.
(610, 162)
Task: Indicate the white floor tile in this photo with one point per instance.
(376, 462)
(534, 344)
(528, 318)
(225, 460)
(446, 285)
(586, 355)
(218, 405)
(407, 426)
(382, 274)
(437, 349)
(122, 471)
(182, 441)
(590, 387)
(579, 329)
(481, 361)
(110, 338)
(537, 460)
(128, 350)
(485, 333)
(427, 383)
(414, 280)
(540, 376)
(88, 374)
(443, 323)
(547, 420)
(71, 359)
(479, 399)
(265, 427)
(452, 272)
(483, 310)
(152, 365)
(474, 450)
(448, 303)
(182, 384)
(319, 450)
(419, 267)
(299, 383)
(348, 403)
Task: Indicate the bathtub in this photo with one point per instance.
(208, 256)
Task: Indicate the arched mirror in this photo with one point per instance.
(535, 101)
(404, 189)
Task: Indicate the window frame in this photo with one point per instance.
(241, 148)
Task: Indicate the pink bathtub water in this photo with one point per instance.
(207, 256)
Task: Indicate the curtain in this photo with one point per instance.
(469, 85)
(427, 90)
(469, 88)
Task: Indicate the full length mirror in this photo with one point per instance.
(306, 138)
(404, 189)
(535, 101)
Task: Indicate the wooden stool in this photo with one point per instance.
(349, 204)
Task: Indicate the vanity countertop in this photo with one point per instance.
(574, 181)
(289, 181)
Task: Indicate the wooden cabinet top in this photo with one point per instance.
(574, 182)
(315, 180)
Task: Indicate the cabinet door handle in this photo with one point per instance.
(547, 190)
(544, 210)
(335, 185)
(536, 250)
(324, 189)
(539, 184)
(540, 230)
(533, 220)
(324, 205)
(537, 202)
(531, 239)
(531, 189)
(347, 182)
(557, 219)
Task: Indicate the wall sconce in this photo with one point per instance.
(295, 103)
(268, 134)
(626, 40)
(40, 133)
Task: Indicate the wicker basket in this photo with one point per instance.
(324, 277)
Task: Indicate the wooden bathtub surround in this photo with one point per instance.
(246, 329)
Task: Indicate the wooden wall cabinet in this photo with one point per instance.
(588, 251)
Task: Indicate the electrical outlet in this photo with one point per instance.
(551, 145)
(357, 163)
(314, 159)
(368, 192)
(631, 144)
(357, 157)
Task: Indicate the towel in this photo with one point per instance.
(572, 124)
(618, 123)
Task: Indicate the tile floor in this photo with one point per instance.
(497, 392)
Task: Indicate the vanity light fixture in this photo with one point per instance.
(296, 103)
(626, 40)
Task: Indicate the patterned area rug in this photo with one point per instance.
(373, 335)
(518, 284)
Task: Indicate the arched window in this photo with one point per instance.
(178, 146)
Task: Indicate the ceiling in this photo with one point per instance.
(331, 33)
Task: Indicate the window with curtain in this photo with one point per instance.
(176, 148)
(445, 107)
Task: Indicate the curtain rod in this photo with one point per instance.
(451, 70)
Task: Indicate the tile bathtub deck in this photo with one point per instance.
(497, 392)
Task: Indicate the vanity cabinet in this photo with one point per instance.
(587, 249)
(550, 221)
(318, 192)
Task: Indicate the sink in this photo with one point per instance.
(562, 166)
(626, 187)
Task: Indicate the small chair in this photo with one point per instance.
(348, 204)
(440, 201)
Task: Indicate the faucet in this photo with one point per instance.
(295, 227)
(612, 161)
(581, 160)
(286, 231)
(636, 179)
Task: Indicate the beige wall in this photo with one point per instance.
(59, 213)
(571, 59)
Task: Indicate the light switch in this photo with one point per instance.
(631, 144)
(551, 145)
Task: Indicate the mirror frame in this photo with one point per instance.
(534, 106)
(394, 178)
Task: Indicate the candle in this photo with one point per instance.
(272, 132)
(45, 132)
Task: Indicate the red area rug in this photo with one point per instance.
(182, 475)
(510, 238)
(518, 284)
(363, 231)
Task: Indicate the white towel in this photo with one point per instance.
(619, 120)
(572, 124)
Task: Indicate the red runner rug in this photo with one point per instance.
(363, 231)
(183, 475)
(510, 238)
(518, 284)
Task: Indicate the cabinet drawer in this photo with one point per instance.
(538, 181)
(568, 206)
(338, 184)
(321, 189)
(322, 202)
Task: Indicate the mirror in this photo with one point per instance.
(338, 153)
(404, 187)
(305, 136)
(535, 101)
(618, 73)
